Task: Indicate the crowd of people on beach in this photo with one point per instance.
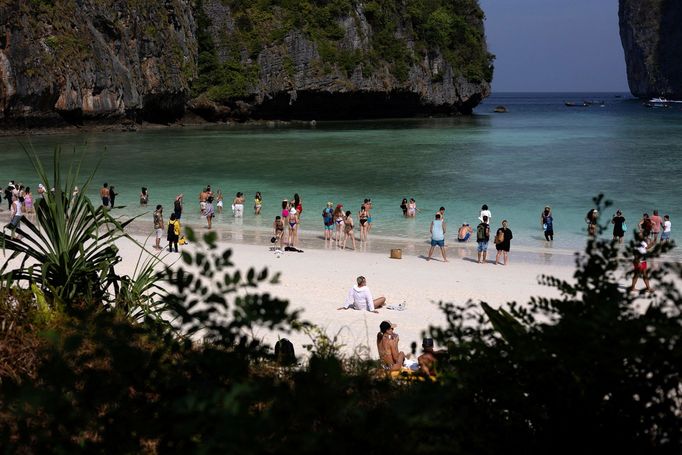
(339, 224)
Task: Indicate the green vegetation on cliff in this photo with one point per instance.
(388, 35)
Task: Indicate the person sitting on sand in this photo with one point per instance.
(387, 345)
(464, 233)
(427, 361)
(360, 298)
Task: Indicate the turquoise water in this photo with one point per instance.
(540, 153)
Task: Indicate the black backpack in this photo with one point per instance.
(284, 352)
(480, 232)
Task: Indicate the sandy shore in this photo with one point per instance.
(317, 281)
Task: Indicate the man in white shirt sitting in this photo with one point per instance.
(360, 298)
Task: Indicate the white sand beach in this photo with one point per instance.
(317, 282)
(318, 279)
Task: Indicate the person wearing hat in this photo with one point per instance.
(387, 345)
(360, 298)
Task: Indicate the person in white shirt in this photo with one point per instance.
(360, 298)
(667, 226)
(485, 212)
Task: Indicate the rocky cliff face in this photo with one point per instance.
(342, 59)
(74, 61)
(652, 40)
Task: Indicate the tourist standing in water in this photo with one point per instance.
(219, 201)
(209, 211)
(338, 221)
(656, 223)
(203, 195)
(104, 194)
(238, 205)
(177, 206)
(144, 197)
(437, 231)
(547, 222)
(257, 203)
(368, 207)
(403, 206)
(619, 226)
(298, 204)
(503, 238)
(28, 204)
(485, 212)
(411, 208)
(112, 196)
(293, 226)
(362, 217)
(158, 225)
(348, 229)
(591, 220)
(328, 221)
(667, 227)
(482, 238)
(645, 226)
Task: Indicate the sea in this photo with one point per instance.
(539, 153)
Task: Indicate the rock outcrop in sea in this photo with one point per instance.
(652, 40)
(79, 61)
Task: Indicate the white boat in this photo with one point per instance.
(663, 101)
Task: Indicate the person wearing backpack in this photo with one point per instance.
(173, 233)
(483, 237)
(503, 238)
(328, 220)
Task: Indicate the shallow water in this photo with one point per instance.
(540, 153)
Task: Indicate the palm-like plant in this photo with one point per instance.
(69, 252)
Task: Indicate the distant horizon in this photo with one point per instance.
(555, 46)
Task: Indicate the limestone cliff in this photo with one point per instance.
(340, 58)
(75, 61)
(652, 40)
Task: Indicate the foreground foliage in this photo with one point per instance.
(592, 371)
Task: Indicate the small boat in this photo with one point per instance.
(574, 104)
(501, 109)
(658, 102)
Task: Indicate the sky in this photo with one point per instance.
(555, 45)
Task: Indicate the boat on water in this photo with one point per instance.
(574, 104)
(661, 102)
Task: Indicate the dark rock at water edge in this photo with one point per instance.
(73, 62)
(652, 40)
